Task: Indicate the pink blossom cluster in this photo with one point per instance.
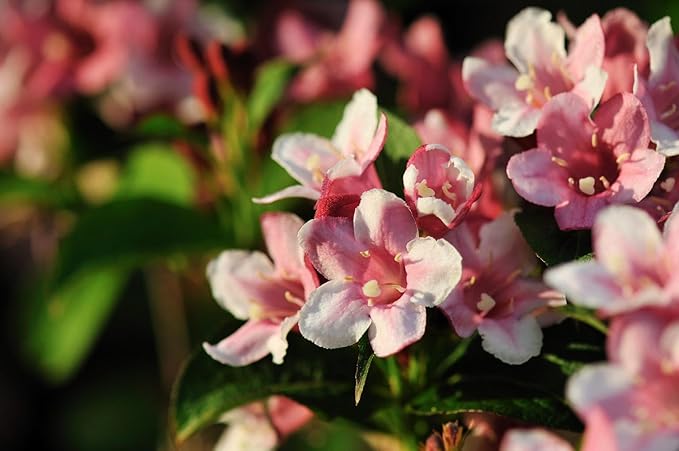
(589, 130)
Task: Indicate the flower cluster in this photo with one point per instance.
(590, 131)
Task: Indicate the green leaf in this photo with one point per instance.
(161, 126)
(319, 378)
(365, 358)
(317, 118)
(552, 245)
(272, 79)
(60, 328)
(490, 395)
(14, 188)
(157, 171)
(134, 231)
(402, 139)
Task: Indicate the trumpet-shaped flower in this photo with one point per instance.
(308, 158)
(660, 94)
(632, 402)
(495, 295)
(381, 276)
(581, 165)
(635, 266)
(542, 69)
(268, 295)
(439, 187)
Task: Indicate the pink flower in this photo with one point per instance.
(356, 143)
(535, 46)
(533, 440)
(580, 165)
(665, 192)
(632, 403)
(268, 295)
(262, 425)
(635, 267)
(660, 94)
(495, 295)
(338, 63)
(439, 187)
(381, 276)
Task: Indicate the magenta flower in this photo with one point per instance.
(495, 295)
(582, 165)
(381, 276)
(309, 158)
(632, 402)
(268, 295)
(542, 69)
(439, 187)
(660, 94)
(635, 267)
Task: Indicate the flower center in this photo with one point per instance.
(383, 281)
(540, 84)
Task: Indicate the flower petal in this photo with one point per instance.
(565, 126)
(280, 234)
(533, 440)
(622, 124)
(356, 129)
(277, 344)
(433, 268)
(491, 84)
(286, 193)
(306, 157)
(384, 220)
(245, 346)
(395, 326)
(665, 138)
(596, 383)
(335, 316)
(538, 179)
(592, 86)
(516, 120)
(585, 283)
(532, 38)
(231, 274)
(512, 340)
(330, 245)
(587, 48)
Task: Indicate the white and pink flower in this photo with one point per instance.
(660, 93)
(542, 69)
(381, 276)
(496, 296)
(635, 266)
(356, 143)
(269, 296)
(581, 165)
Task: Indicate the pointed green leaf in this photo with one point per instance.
(402, 139)
(365, 358)
(272, 79)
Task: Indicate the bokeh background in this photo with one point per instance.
(117, 398)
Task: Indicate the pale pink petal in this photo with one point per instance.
(637, 176)
(376, 145)
(622, 124)
(665, 138)
(664, 56)
(280, 234)
(532, 39)
(591, 87)
(512, 340)
(437, 207)
(230, 274)
(296, 37)
(277, 344)
(395, 326)
(384, 220)
(355, 132)
(433, 268)
(330, 245)
(627, 241)
(491, 84)
(287, 415)
(580, 210)
(335, 316)
(537, 178)
(597, 383)
(671, 235)
(533, 440)
(306, 157)
(501, 245)
(463, 319)
(286, 193)
(634, 342)
(565, 127)
(587, 48)
(516, 120)
(245, 346)
(585, 283)
(358, 40)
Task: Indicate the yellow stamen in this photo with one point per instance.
(586, 185)
(293, 299)
(423, 190)
(560, 161)
(396, 287)
(668, 85)
(449, 194)
(668, 184)
(594, 140)
(605, 182)
(365, 253)
(571, 181)
(669, 112)
(623, 157)
(523, 82)
(547, 92)
(398, 257)
(486, 303)
(371, 289)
